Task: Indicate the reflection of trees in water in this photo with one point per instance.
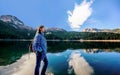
(11, 51)
(61, 46)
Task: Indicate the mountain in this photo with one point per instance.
(101, 30)
(13, 28)
(116, 30)
(15, 22)
(55, 30)
(91, 30)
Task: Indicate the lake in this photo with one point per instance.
(65, 58)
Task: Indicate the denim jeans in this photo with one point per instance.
(39, 58)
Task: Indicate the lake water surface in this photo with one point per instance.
(65, 58)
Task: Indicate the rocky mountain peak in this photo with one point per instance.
(91, 30)
(14, 22)
(11, 19)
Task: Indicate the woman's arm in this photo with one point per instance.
(37, 43)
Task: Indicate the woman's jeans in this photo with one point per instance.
(39, 58)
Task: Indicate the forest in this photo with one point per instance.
(7, 31)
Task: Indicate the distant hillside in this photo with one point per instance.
(83, 35)
(87, 34)
(101, 30)
(116, 30)
(13, 28)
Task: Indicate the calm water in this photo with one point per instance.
(65, 58)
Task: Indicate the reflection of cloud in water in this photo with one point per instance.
(79, 65)
(24, 66)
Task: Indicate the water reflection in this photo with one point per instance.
(79, 65)
(23, 66)
(65, 58)
(69, 62)
(92, 50)
(60, 46)
(13, 50)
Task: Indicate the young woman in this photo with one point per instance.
(40, 47)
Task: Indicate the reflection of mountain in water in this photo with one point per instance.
(98, 50)
(92, 50)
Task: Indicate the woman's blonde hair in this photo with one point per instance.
(39, 29)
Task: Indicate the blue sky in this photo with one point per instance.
(66, 14)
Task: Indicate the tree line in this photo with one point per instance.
(7, 31)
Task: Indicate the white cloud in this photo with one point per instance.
(80, 14)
